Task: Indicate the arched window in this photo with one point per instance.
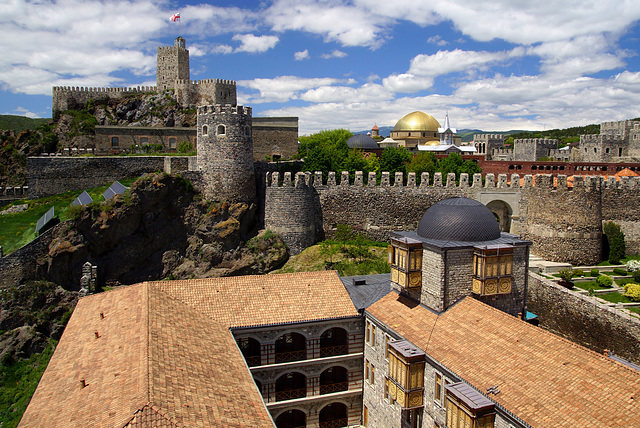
(290, 386)
(290, 347)
(221, 130)
(205, 130)
(250, 349)
(334, 379)
(334, 341)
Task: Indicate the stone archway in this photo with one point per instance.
(503, 213)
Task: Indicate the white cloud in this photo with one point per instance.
(335, 54)
(213, 20)
(255, 44)
(302, 55)
(283, 88)
(445, 62)
(21, 111)
(407, 82)
(336, 21)
(221, 49)
(437, 40)
(366, 93)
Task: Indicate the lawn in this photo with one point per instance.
(590, 285)
(622, 281)
(18, 229)
(615, 297)
(623, 261)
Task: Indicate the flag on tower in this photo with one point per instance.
(175, 17)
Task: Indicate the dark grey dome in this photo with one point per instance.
(459, 219)
(362, 141)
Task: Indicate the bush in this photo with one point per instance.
(636, 276)
(604, 281)
(566, 274)
(595, 273)
(577, 273)
(615, 239)
(633, 265)
(620, 272)
(632, 291)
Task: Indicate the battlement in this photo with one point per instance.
(487, 137)
(498, 152)
(169, 48)
(540, 181)
(537, 141)
(184, 82)
(224, 109)
(80, 89)
(599, 138)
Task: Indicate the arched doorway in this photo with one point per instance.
(503, 213)
(291, 347)
(334, 341)
(292, 419)
(250, 349)
(334, 379)
(334, 415)
(290, 386)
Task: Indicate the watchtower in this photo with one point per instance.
(225, 152)
(172, 65)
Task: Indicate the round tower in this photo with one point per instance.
(225, 153)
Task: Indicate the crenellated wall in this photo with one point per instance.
(563, 222)
(75, 98)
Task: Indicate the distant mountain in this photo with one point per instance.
(20, 123)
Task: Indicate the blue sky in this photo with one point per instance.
(491, 64)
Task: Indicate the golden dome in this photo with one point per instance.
(417, 121)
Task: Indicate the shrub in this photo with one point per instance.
(632, 291)
(604, 281)
(595, 273)
(615, 239)
(566, 274)
(633, 265)
(620, 272)
(577, 273)
(636, 276)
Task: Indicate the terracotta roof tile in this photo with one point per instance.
(154, 362)
(543, 379)
(265, 299)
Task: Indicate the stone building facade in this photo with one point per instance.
(485, 144)
(617, 142)
(172, 64)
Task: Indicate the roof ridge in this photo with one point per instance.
(550, 334)
(147, 352)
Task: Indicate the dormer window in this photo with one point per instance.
(405, 258)
(492, 270)
(467, 408)
(405, 381)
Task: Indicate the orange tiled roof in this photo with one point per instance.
(146, 359)
(265, 299)
(543, 379)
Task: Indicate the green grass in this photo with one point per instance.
(18, 382)
(20, 123)
(622, 261)
(635, 310)
(621, 282)
(615, 297)
(590, 285)
(18, 229)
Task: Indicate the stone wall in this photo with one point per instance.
(619, 203)
(582, 319)
(532, 149)
(53, 175)
(192, 93)
(75, 98)
(27, 262)
(130, 136)
(275, 136)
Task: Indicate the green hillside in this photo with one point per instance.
(20, 123)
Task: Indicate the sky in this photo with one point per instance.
(494, 65)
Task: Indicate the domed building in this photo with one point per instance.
(415, 129)
(362, 142)
(458, 250)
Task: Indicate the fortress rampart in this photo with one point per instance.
(75, 98)
(563, 222)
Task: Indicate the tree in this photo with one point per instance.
(615, 241)
(325, 151)
(456, 164)
(394, 159)
(423, 162)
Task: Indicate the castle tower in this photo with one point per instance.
(225, 153)
(172, 64)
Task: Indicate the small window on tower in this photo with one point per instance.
(205, 130)
(115, 141)
(221, 130)
(172, 143)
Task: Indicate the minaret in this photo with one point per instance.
(172, 64)
(446, 132)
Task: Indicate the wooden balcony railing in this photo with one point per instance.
(329, 351)
(335, 423)
(284, 357)
(291, 394)
(334, 387)
(253, 361)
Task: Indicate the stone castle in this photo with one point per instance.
(618, 142)
(274, 137)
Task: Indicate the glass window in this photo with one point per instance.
(115, 141)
